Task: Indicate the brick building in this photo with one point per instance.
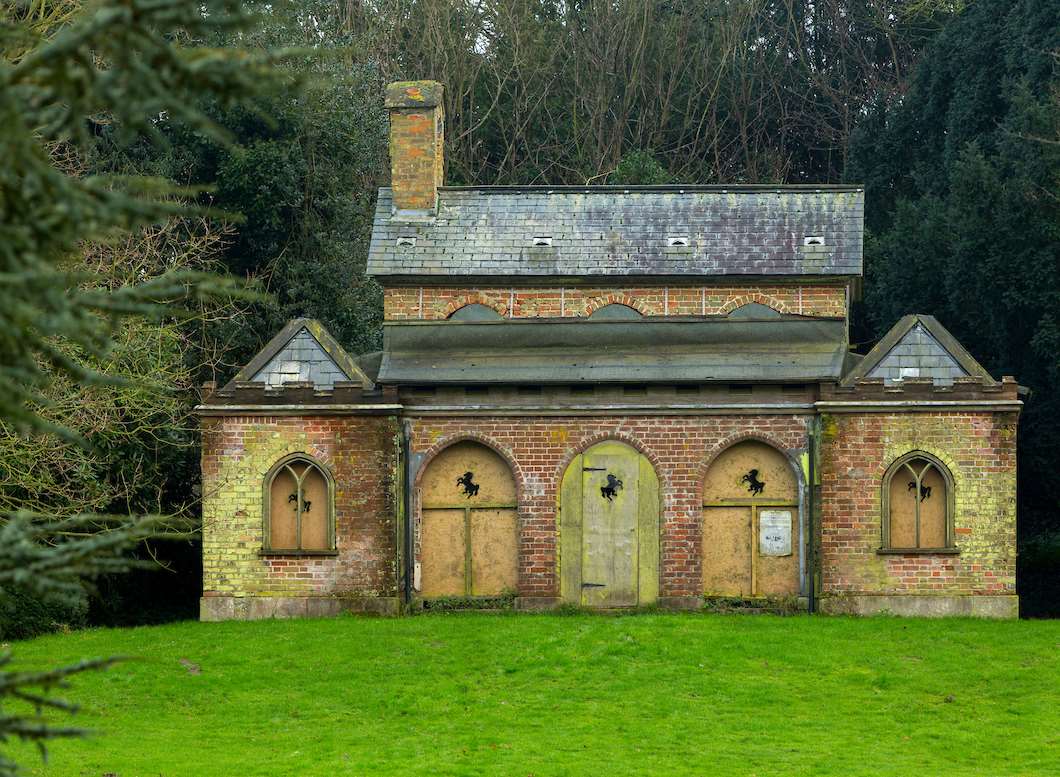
(609, 397)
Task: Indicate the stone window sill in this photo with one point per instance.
(918, 551)
(296, 552)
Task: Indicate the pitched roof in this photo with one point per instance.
(302, 352)
(610, 351)
(918, 346)
(624, 231)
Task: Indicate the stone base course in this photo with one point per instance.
(923, 606)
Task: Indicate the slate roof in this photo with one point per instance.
(488, 232)
(917, 347)
(302, 352)
(648, 351)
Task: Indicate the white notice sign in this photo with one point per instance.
(774, 532)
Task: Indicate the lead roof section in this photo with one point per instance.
(668, 351)
(627, 232)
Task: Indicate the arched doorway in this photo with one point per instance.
(609, 528)
(751, 523)
(468, 524)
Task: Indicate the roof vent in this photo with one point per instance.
(813, 240)
(542, 241)
(406, 241)
(677, 241)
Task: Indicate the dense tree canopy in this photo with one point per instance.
(962, 181)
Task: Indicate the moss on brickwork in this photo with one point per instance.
(979, 451)
(362, 456)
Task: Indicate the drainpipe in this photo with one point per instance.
(406, 509)
(811, 556)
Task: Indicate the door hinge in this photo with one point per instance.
(594, 469)
(594, 585)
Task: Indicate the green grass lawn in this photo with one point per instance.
(498, 694)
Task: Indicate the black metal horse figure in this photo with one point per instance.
(470, 487)
(754, 485)
(610, 491)
(925, 491)
(306, 504)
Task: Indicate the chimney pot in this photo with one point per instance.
(417, 123)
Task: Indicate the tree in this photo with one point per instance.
(124, 63)
(962, 181)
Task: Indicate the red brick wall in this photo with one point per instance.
(539, 450)
(439, 302)
(980, 451)
(361, 453)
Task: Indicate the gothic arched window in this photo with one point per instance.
(918, 504)
(299, 512)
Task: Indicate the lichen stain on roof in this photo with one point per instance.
(614, 231)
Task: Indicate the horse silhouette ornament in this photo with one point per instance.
(610, 491)
(925, 491)
(754, 485)
(470, 487)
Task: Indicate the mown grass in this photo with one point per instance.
(498, 694)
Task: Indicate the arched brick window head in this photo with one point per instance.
(918, 504)
(299, 507)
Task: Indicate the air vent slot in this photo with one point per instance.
(677, 241)
(813, 240)
(406, 241)
(541, 241)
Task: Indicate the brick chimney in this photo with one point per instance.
(417, 120)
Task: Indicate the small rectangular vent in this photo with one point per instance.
(406, 241)
(541, 241)
(740, 388)
(813, 240)
(677, 241)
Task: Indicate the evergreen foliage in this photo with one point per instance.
(962, 181)
(122, 63)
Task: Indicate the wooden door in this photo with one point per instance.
(750, 524)
(609, 526)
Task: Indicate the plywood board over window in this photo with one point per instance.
(298, 510)
(750, 523)
(917, 505)
(468, 524)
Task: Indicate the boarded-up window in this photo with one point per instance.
(298, 507)
(917, 502)
(750, 523)
(468, 526)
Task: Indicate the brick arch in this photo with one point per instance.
(891, 457)
(587, 442)
(595, 303)
(318, 454)
(482, 439)
(736, 439)
(475, 298)
(746, 299)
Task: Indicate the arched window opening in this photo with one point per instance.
(751, 525)
(299, 507)
(616, 311)
(468, 524)
(918, 504)
(475, 312)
